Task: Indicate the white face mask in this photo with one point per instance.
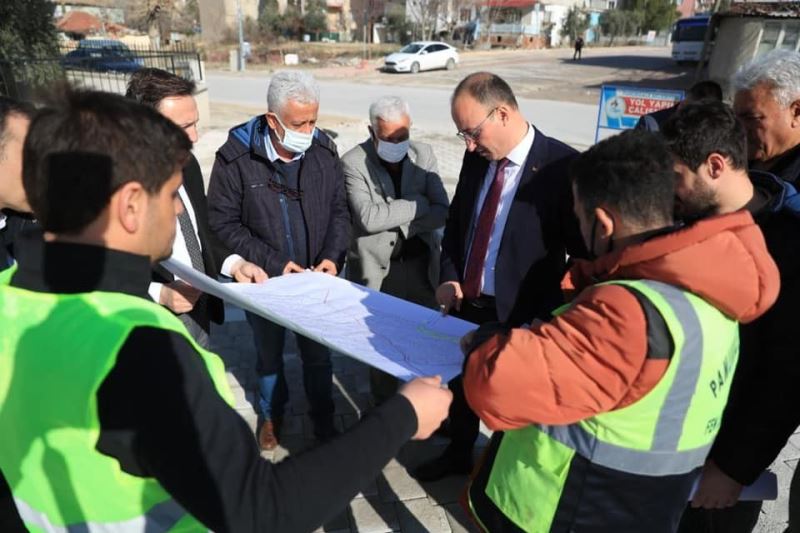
(392, 152)
(295, 141)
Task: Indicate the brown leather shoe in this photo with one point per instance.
(268, 436)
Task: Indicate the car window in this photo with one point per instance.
(412, 48)
(436, 48)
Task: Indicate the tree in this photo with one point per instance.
(26, 32)
(618, 22)
(315, 19)
(655, 14)
(26, 29)
(575, 24)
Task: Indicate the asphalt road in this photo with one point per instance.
(558, 95)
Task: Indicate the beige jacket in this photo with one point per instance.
(379, 215)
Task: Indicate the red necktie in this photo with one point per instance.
(483, 230)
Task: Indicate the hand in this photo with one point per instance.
(326, 266)
(247, 272)
(449, 295)
(716, 490)
(430, 401)
(178, 296)
(292, 268)
(466, 341)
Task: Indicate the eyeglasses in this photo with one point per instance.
(474, 133)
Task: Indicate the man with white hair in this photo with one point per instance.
(277, 198)
(767, 101)
(398, 203)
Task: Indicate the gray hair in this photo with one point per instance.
(779, 69)
(295, 85)
(388, 108)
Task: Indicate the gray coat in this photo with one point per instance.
(379, 215)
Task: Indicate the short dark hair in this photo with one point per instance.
(8, 107)
(85, 145)
(631, 173)
(488, 89)
(705, 90)
(700, 129)
(149, 86)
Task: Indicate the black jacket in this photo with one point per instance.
(161, 417)
(540, 230)
(245, 210)
(214, 252)
(15, 224)
(762, 411)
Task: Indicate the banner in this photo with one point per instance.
(621, 107)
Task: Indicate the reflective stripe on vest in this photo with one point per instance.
(663, 458)
(161, 517)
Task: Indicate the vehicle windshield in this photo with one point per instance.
(412, 48)
(693, 31)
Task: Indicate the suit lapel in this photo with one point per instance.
(407, 174)
(521, 207)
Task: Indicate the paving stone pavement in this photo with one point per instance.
(394, 501)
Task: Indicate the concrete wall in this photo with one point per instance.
(736, 44)
(218, 17)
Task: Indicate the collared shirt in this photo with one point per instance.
(2, 221)
(272, 153)
(512, 175)
(181, 253)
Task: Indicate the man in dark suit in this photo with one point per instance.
(195, 244)
(508, 232)
(15, 214)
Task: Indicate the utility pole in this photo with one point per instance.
(241, 61)
(712, 20)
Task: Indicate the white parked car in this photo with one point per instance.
(422, 55)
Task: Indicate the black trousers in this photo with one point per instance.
(464, 424)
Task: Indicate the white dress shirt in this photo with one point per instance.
(2, 221)
(512, 175)
(180, 252)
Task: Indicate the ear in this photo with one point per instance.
(272, 122)
(794, 109)
(605, 222)
(717, 164)
(503, 113)
(129, 206)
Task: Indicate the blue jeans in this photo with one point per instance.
(317, 374)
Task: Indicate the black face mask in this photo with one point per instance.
(592, 252)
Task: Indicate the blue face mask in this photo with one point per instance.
(295, 141)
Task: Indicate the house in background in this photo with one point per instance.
(104, 10)
(750, 29)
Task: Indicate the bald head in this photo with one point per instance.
(489, 90)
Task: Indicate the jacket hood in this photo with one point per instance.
(722, 259)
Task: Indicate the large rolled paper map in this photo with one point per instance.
(396, 336)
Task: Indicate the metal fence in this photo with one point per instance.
(104, 69)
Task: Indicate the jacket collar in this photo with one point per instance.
(70, 268)
(783, 196)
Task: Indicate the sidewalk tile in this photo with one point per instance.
(370, 515)
(396, 484)
(419, 516)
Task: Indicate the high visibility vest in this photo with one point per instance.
(669, 431)
(55, 352)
